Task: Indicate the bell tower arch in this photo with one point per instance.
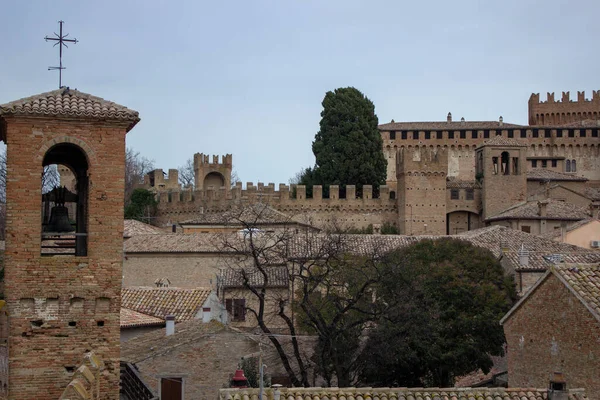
(63, 273)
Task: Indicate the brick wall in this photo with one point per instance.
(553, 331)
(63, 306)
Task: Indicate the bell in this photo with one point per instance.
(59, 220)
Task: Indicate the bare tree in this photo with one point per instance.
(330, 292)
(234, 177)
(136, 166)
(187, 173)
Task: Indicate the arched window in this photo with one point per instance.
(505, 162)
(573, 166)
(65, 203)
(568, 166)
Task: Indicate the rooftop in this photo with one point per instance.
(583, 280)
(184, 304)
(134, 227)
(544, 174)
(277, 276)
(557, 210)
(133, 319)
(70, 103)
(317, 393)
(446, 126)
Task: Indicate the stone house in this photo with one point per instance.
(584, 233)
(555, 327)
(145, 309)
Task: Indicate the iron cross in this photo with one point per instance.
(60, 40)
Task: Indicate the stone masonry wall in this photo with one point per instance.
(553, 331)
(563, 111)
(63, 306)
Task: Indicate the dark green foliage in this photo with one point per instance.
(445, 299)
(142, 206)
(348, 146)
(389, 229)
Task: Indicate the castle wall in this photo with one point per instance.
(215, 173)
(579, 144)
(563, 111)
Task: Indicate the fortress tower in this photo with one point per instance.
(564, 111)
(421, 175)
(501, 167)
(63, 282)
(213, 173)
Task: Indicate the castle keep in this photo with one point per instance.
(443, 177)
(63, 273)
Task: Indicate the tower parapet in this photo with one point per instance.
(564, 111)
(215, 173)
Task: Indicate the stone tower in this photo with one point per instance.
(213, 173)
(500, 164)
(63, 288)
(421, 175)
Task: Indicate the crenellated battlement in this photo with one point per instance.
(564, 111)
(565, 98)
(204, 159)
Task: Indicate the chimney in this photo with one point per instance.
(542, 208)
(205, 314)
(449, 117)
(557, 390)
(523, 256)
(462, 120)
(170, 324)
(501, 121)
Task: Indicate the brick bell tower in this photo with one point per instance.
(63, 272)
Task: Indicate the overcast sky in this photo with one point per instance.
(248, 77)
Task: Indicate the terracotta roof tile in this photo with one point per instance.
(543, 174)
(558, 210)
(184, 304)
(584, 281)
(593, 193)
(277, 277)
(134, 227)
(134, 319)
(256, 214)
(317, 393)
(446, 126)
(70, 103)
(175, 243)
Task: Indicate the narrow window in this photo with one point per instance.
(568, 166)
(505, 158)
(473, 134)
(573, 166)
(582, 133)
(515, 166)
(454, 194)
(392, 195)
(544, 163)
(559, 133)
(495, 165)
(554, 163)
(416, 135)
(535, 133)
(571, 132)
(470, 194)
(463, 134)
(392, 135)
(595, 133)
(427, 135)
(547, 133)
(439, 134)
(237, 309)
(451, 135)
(511, 134)
(404, 135)
(533, 163)
(523, 133)
(486, 134)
